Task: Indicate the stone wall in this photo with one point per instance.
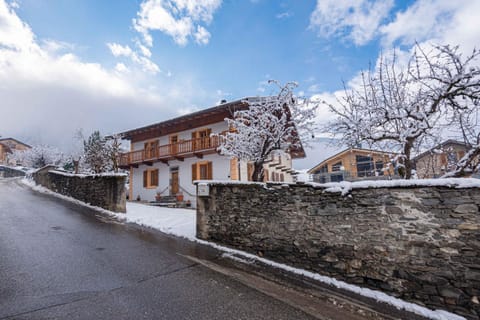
(8, 172)
(421, 244)
(105, 191)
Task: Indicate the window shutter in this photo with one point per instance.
(234, 169)
(209, 171)
(154, 178)
(194, 142)
(194, 172)
(208, 140)
(145, 178)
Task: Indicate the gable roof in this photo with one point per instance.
(185, 122)
(194, 120)
(341, 153)
(440, 145)
(3, 140)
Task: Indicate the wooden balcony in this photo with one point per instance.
(175, 151)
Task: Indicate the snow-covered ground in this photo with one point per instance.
(175, 221)
(182, 223)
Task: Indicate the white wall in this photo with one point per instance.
(220, 171)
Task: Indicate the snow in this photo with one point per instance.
(345, 187)
(182, 223)
(82, 175)
(174, 221)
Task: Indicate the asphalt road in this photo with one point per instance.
(61, 261)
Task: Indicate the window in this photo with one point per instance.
(364, 166)
(150, 178)
(173, 139)
(337, 166)
(201, 139)
(379, 167)
(322, 169)
(202, 171)
(273, 177)
(151, 148)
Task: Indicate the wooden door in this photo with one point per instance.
(174, 185)
(173, 144)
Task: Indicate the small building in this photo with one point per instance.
(353, 164)
(166, 157)
(440, 159)
(9, 145)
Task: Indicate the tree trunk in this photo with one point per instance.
(76, 164)
(258, 171)
(407, 150)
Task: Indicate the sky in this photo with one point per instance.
(116, 65)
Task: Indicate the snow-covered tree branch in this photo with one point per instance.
(397, 106)
(38, 156)
(271, 123)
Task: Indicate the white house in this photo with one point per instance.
(166, 157)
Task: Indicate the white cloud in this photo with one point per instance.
(202, 36)
(356, 20)
(180, 19)
(284, 15)
(46, 93)
(443, 21)
(119, 50)
(144, 61)
(120, 67)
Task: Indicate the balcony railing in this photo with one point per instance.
(179, 150)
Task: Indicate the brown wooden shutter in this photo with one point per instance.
(194, 142)
(208, 141)
(209, 170)
(154, 178)
(145, 178)
(233, 169)
(194, 172)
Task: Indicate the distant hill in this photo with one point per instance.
(321, 149)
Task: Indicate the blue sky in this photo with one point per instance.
(115, 65)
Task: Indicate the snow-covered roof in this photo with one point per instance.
(4, 140)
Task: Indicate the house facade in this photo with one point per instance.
(353, 164)
(440, 159)
(9, 145)
(165, 158)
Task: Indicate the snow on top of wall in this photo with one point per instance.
(83, 175)
(345, 187)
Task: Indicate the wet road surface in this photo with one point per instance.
(61, 261)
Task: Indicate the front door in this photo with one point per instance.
(174, 186)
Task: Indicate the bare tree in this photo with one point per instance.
(114, 150)
(270, 123)
(398, 106)
(468, 123)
